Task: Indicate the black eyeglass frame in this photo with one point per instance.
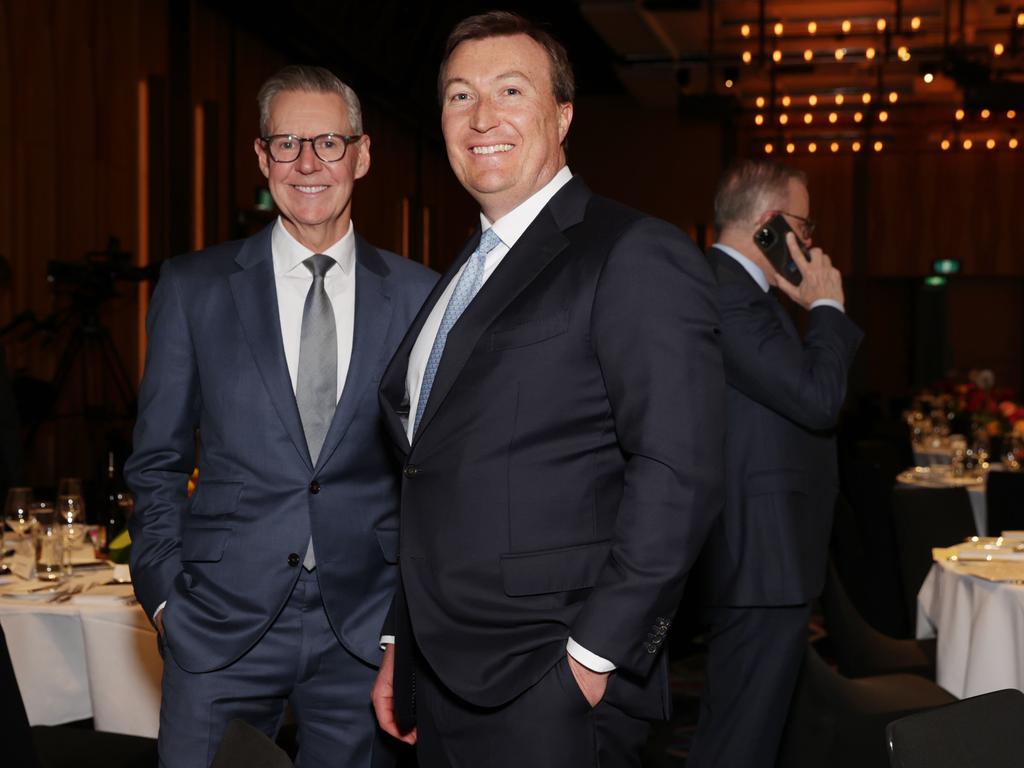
(351, 138)
(806, 222)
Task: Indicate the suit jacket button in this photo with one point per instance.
(293, 559)
(411, 470)
(314, 487)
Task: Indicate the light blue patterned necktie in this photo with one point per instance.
(470, 280)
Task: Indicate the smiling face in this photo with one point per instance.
(502, 125)
(314, 197)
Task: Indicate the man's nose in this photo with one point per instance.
(484, 116)
(308, 162)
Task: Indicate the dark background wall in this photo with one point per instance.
(135, 119)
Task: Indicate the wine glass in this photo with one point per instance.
(17, 510)
(71, 516)
(50, 542)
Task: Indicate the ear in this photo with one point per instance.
(264, 159)
(564, 120)
(363, 158)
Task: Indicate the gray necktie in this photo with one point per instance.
(316, 390)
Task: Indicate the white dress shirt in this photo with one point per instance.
(292, 280)
(509, 228)
(758, 274)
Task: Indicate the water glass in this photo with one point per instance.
(49, 542)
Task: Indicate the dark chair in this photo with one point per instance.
(244, 746)
(926, 518)
(840, 723)
(1004, 498)
(60, 746)
(874, 581)
(860, 649)
(979, 732)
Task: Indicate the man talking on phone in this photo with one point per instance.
(765, 559)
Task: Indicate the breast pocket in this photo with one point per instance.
(530, 332)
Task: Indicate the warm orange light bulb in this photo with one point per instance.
(812, 147)
(855, 146)
(959, 114)
(985, 114)
(812, 27)
(832, 117)
(857, 117)
(998, 49)
(759, 101)
(968, 144)
(778, 29)
(878, 146)
(1012, 143)
(745, 30)
(840, 53)
(893, 97)
(808, 118)
(869, 54)
(834, 146)
(944, 144)
(990, 144)
(866, 98)
(783, 118)
(786, 101)
(747, 57)
(883, 116)
(839, 99)
(812, 100)
(880, 25)
(808, 54)
(791, 148)
(758, 119)
(768, 149)
(1011, 114)
(915, 23)
(847, 25)
(777, 56)
(928, 77)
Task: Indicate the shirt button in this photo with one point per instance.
(412, 470)
(314, 487)
(293, 559)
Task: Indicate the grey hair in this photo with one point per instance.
(751, 187)
(299, 77)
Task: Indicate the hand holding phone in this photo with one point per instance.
(771, 240)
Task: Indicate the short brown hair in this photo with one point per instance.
(299, 77)
(506, 24)
(750, 187)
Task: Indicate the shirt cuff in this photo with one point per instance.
(828, 303)
(386, 640)
(158, 609)
(591, 661)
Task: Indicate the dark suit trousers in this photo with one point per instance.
(550, 725)
(754, 657)
(298, 661)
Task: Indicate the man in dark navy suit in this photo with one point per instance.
(765, 558)
(270, 584)
(558, 403)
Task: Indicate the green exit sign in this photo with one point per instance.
(946, 266)
(935, 281)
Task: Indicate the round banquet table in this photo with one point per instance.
(89, 657)
(979, 625)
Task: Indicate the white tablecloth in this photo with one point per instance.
(980, 629)
(939, 477)
(75, 661)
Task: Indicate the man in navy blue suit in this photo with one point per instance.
(765, 558)
(558, 402)
(268, 587)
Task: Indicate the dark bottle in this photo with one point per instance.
(116, 502)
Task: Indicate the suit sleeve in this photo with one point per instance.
(654, 329)
(805, 382)
(164, 445)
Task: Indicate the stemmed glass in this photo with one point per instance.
(17, 515)
(71, 516)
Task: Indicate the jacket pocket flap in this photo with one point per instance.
(530, 332)
(553, 570)
(213, 498)
(388, 540)
(777, 481)
(204, 545)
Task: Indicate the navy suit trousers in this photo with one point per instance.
(298, 661)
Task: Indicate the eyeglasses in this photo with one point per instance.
(329, 147)
(807, 224)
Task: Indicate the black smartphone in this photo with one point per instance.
(771, 239)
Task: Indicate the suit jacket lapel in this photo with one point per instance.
(539, 245)
(255, 295)
(372, 319)
(737, 273)
(392, 391)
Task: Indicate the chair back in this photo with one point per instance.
(16, 744)
(924, 518)
(1004, 498)
(244, 746)
(979, 732)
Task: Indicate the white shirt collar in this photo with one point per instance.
(511, 226)
(752, 269)
(289, 253)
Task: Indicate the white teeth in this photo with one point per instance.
(492, 149)
(311, 189)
